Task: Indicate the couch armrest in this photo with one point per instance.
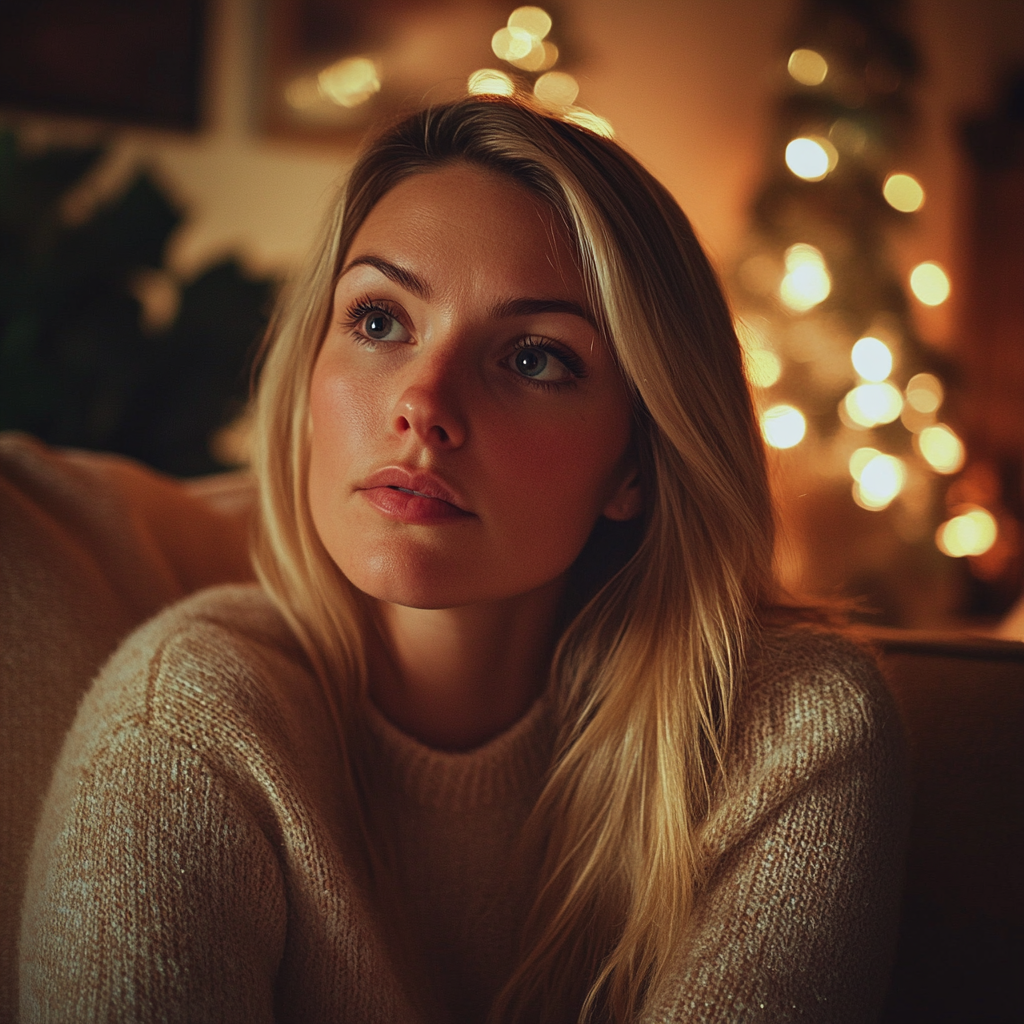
(91, 545)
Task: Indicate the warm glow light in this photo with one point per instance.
(930, 283)
(903, 192)
(488, 82)
(811, 158)
(349, 82)
(872, 359)
(941, 448)
(924, 392)
(591, 121)
(972, 532)
(808, 67)
(848, 135)
(534, 20)
(303, 93)
(807, 281)
(881, 478)
(763, 368)
(511, 43)
(859, 459)
(783, 426)
(542, 55)
(867, 405)
(556, 88)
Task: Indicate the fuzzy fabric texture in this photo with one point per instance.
(194, 863)
(91, 545)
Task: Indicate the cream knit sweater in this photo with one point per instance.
(193, 862)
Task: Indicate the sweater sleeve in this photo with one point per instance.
(154, 894)
(797, 920)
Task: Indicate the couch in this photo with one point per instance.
(91, 545)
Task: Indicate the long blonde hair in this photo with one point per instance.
(645, 673)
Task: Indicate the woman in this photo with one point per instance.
(507, 733)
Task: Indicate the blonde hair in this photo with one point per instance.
(644, 676)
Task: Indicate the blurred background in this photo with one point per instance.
(854, 167)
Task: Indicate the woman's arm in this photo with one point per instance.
(798, 918)
(153, 892)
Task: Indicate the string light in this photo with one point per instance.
(783, 426)
(859, 459)
(880, 479)
(511, 43)
(972, 532)
(941, 448)
(349, 82)
(808, 67)
(488, 82)
(534, 20)
(930, 283)
(541, 56)
(871, 359)
(763, 368)
(903, 192)
(556, 88)
(807, 281)
(811, 158)
(924, 392)
(869, 405)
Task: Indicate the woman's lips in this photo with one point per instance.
(413, 497)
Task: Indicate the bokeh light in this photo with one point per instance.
(811, 158)
(930, 283)
(534, 20)
(972, 532)
(871, 359)
(303, 93)
(903, 192)
(783, 426)
(511, 43)
(762, 367)
(488, 82)
(542, 55)
(924, 392)
(880, 479)
(941, 448)
(868, 405)
(808, 67)
(859, 459)
(592, 122)
(556, 88)
(349, 82)
(807, 280)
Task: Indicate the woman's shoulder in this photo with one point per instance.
(215, 671)
(811, 679)
(812, 711)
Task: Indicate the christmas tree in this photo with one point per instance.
(850, 395)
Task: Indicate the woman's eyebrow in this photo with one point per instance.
(527, 307)
(406, 278)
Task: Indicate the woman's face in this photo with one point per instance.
(469, 425)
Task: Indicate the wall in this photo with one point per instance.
(687, 84)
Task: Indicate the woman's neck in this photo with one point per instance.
(453, 678)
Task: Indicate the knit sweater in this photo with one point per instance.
(194, 863)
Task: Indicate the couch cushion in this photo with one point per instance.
(90, 546)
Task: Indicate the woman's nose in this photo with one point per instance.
(429, 405)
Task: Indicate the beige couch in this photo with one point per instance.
(91, 545)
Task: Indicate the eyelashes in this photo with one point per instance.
(532, 360)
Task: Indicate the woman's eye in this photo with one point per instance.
(380, 326)
(539, 364)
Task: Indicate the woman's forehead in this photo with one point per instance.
(464, 217)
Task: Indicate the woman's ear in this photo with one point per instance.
(627, 500)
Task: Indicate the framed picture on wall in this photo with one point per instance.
(119, 60)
